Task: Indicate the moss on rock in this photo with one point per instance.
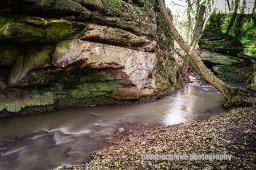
(254, 80)
(35, 58)
(114, 5)
(222, 69)
(16, 102)
(94, 90)
(165, 73)
(8, 54)
(48, 8)
(242, 30)
(36, 84)
(249, 42)
(36, 30)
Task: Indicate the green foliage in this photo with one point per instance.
(243, 30)
(253, 80)
(5, 23)
(134, 10)
(114, 5)
(249, 42)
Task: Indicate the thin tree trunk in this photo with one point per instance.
(254, 8)
(205, 72)
(196, 36)
(185, 64)
(199, 25)
(229, 6)
(239, 21)
(189, 11)
(232, 21)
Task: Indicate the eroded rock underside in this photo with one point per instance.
(59, 54)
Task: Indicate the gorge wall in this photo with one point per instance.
(57, 54)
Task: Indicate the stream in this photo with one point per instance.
(70, 136)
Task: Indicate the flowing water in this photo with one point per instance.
(69, 136)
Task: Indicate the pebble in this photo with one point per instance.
(120, 130)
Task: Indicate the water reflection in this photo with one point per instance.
(192, 102)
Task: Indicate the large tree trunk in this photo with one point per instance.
(225, 89)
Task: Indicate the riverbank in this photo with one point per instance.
(232, 132)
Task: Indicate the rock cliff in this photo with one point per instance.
(56, 54)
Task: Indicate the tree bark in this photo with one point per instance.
(254, 8)
(189, 11)
(199, 25)
(225, 89)
(232, 21)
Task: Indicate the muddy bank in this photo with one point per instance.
(231, 132)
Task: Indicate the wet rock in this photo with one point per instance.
(126, 93)
(120, 130)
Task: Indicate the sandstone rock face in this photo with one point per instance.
(131, 65)
(91, 53)
(117, 36)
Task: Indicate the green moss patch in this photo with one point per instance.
(114, 5)
(35, 58)
(37, 30)
(93, 90)
(14, 103)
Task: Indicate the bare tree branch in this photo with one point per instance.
(225, 89)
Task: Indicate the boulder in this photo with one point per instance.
(219, 59)
(132, 66)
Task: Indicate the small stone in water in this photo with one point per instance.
(120, 130)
